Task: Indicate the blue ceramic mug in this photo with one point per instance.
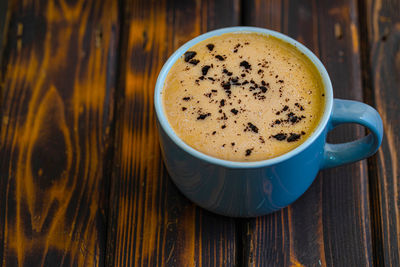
(248, 189)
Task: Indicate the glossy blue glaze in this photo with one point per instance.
(347, 111)
(248, 189)
(242, 192)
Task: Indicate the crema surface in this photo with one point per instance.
(243, 97)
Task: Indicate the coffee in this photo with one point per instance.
(243, 97)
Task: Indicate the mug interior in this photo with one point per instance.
(163, 121)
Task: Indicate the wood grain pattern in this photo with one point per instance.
(329, 225)
(151, 223)
(3, 25)
(381, 42)
(56, 106)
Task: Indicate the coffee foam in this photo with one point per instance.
(243, 97)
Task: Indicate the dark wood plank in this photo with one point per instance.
(151, 223)
(329, 225)
(56, 106)
(381, 61)
(3, 25)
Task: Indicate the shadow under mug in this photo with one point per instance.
(248, 189)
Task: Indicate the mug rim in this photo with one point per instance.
(163, 120)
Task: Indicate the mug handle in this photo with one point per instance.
(348, 111)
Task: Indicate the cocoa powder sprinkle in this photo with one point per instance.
(189, 55)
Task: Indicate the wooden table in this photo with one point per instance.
(82, 181)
